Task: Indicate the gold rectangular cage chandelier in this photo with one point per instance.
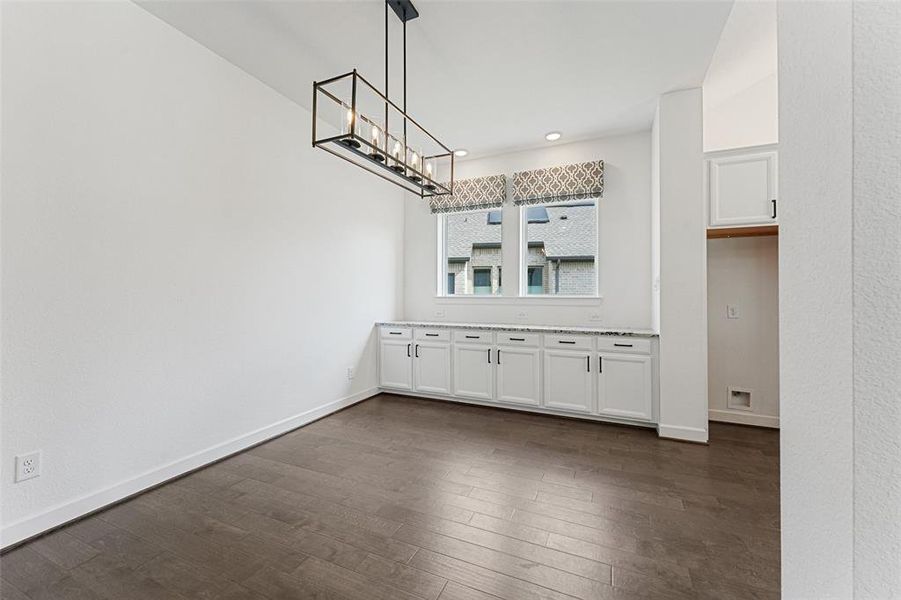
(353, 120)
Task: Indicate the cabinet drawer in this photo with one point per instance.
(473, 336)
(568, 342)
(396, 333)
(628, 345)
(518, 339)
(432, 335)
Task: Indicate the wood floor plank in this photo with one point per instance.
(508, 564)
(408, 499)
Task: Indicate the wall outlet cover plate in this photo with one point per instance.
(28, 466)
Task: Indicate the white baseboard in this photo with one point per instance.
(744, 418)
(68, 511)
(684, 434)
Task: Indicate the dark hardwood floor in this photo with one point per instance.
(404, 499)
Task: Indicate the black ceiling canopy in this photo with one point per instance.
(404, 9)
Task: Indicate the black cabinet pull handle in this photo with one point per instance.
(623, 345)
(774, 207)
(417, 350)
(473, 337)
(588, 363)
(489, 356)
(408, 350)
(565, 342)
(395, 332)
(431, 335)
(600, 364)
(517, 339)
(498, 356)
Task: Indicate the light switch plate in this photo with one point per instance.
(732, 311)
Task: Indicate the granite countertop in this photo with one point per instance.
(645, 333)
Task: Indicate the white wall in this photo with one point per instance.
(683, 273)
(741, 87)
(877, 300)
(624, 231)
(182, 273)
(815, 311)
(743, 352)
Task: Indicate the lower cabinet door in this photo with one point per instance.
(518, 375)
(473, 370)
(432, 367)
(396, 364)
(567, 380)
(624, 386)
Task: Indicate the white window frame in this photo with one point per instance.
(522, 215)
(441, 263)
(521, 296)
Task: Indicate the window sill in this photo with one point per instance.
(513, 300)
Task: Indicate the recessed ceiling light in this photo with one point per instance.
(461, 152)
(553, 136)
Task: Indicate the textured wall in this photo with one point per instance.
(815, 300)
(163, 213)
(877, 300)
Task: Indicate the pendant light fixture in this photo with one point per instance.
(355, 121)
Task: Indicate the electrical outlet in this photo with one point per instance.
(522, 315)
(350, 372)
(28, 466)
(731, 311)
(439, 314)
(594, 317)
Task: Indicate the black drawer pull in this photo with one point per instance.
(774, 207)
(498, 356)
(473, 337)
(431, 335)
(517, 339)
(489, 356)
(408, 350)
(395, 333)
(417, 350)
(588, 363)
(565, 342)
(600, 364)
(623, 345)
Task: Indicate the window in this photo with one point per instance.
(560, 254)
(472, 252)
(481, 281)
(535, 280)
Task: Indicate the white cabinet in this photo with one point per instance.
(624, 386)
(518, 370)
(741, 188)
(602, 377)
(567, 380)
(473, 371)
(432, 367)
(395, 364)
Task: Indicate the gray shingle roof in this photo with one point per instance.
(570, 232)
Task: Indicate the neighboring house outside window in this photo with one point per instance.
(560, 255)
(481, 281)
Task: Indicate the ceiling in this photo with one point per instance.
(490, 76)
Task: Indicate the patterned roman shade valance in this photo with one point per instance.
(554, 184)
(472, 194)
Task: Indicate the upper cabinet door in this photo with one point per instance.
(741, 188)
(473, 371)
(396, 364)
(432, 367)
(567, 380)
